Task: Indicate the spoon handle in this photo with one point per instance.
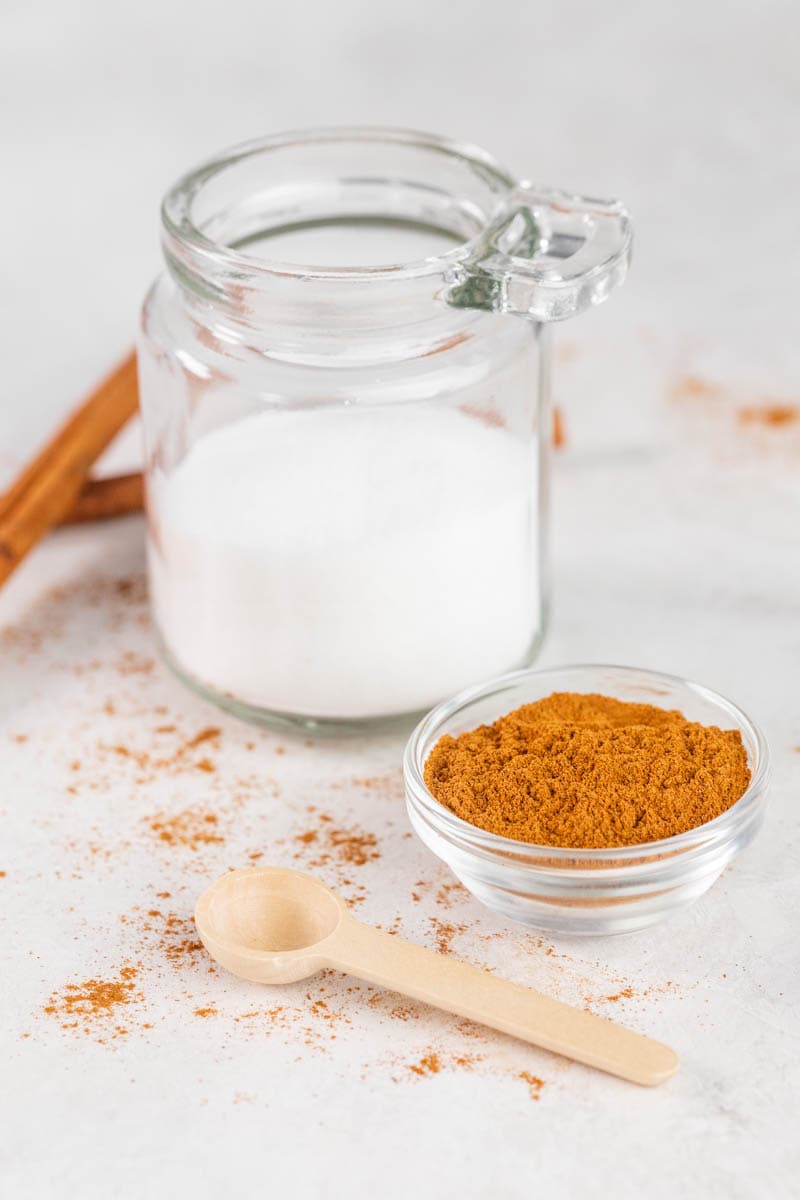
(459, 988)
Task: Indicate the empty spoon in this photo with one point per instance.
(272, 925)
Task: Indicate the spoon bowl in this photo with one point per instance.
(269, 925)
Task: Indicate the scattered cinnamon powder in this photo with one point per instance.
(405, 1010)
(629, 992)
(151, 764)
(468, 1061)
(445, 932)
(383, 787)
(210, 734)
(535, 1084)
(770, 414)
(177, 938)
(434, 1061)
(349, 846)
(122, 603)
(450, 894)
(325, 1011)
(90, 1005)
(429, 1064)
(625, 994)
(130, 663)
(694, 387)
(353, 846)
(589, 771)
(192, 828)
(559, 429)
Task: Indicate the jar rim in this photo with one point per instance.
(180, 226)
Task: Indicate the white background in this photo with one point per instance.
(675, 546)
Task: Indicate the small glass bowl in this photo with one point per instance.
(573, 891)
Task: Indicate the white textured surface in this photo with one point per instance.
(675, 546)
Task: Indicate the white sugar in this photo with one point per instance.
(347, 563)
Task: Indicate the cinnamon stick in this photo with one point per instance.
(47, 489)
(103, 499)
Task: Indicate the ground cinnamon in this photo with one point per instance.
(589, 771)
(84, 1005)
(770, 414)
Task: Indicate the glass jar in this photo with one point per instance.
(346, 421)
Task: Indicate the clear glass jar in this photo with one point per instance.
(346, 422)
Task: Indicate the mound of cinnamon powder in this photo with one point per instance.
(589, 771)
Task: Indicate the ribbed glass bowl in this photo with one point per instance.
(573, 891)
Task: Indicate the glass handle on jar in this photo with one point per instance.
(546, 255)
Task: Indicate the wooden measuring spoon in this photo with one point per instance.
(273, 925)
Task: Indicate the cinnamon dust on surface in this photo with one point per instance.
(768, 412)
(435, 1062)
(379, 787)
(94, 1005)
(191, 754)
(429, 1064)
(771, 415)
(694, 387)
(175, 937)
(192, 828)
(535, 1084)
(445, 932)
(325, 841)
(559, 429)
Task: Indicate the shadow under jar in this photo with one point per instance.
(346, 419)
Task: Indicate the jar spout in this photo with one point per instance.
(545, 255)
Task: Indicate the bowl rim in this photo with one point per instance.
(493, 842)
